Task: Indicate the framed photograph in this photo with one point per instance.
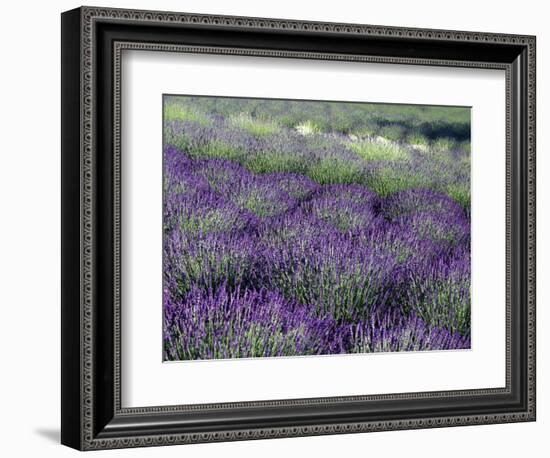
(276, 228)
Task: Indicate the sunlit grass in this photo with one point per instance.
(465, 146)
(387, 181)
(222, 150)
(367, 129)
(379, 151)
(333, 171)
(460, 193)
(308, 128)
(394, 132)
(375, 133)
(177, 112)
(418, 140)
(444, 144)
(272, 161)
(257, 127)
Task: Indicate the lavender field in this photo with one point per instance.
(308, 228)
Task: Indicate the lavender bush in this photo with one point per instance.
(309, 228)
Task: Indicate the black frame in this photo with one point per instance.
(92, 42)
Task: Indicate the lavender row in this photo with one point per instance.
(327, 158)
(260, 323)
(277, 264)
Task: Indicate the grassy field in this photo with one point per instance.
(296, 228)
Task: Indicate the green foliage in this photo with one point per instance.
(272, 161)
(213, 221)
(221, 150)
(417, 139)
(387, 181)
(444, 144)
(392, 121)
(343, 294)
(179, 141)
(368, 128)
(334, 170)
(179, 112)
(460, 193)
(224, 266)
(255, 126)
(342, 123)
(393, 132)
(308, 128)
(379, 151)
(465, 146)
(440, 134)
(440, 302)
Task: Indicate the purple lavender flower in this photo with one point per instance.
(297, 186)
(412, 201)
(440, 293)
(203, 213)
(446, 229)
(390, 333)
(280, 240)
(331, 272)
(261, 197)
(343, 215)
(222, 174)
(242, 324)
(210, 261)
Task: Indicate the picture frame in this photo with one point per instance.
(93, 40)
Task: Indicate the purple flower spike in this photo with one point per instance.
(281, 238)
(391, 333)
(242, 324)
